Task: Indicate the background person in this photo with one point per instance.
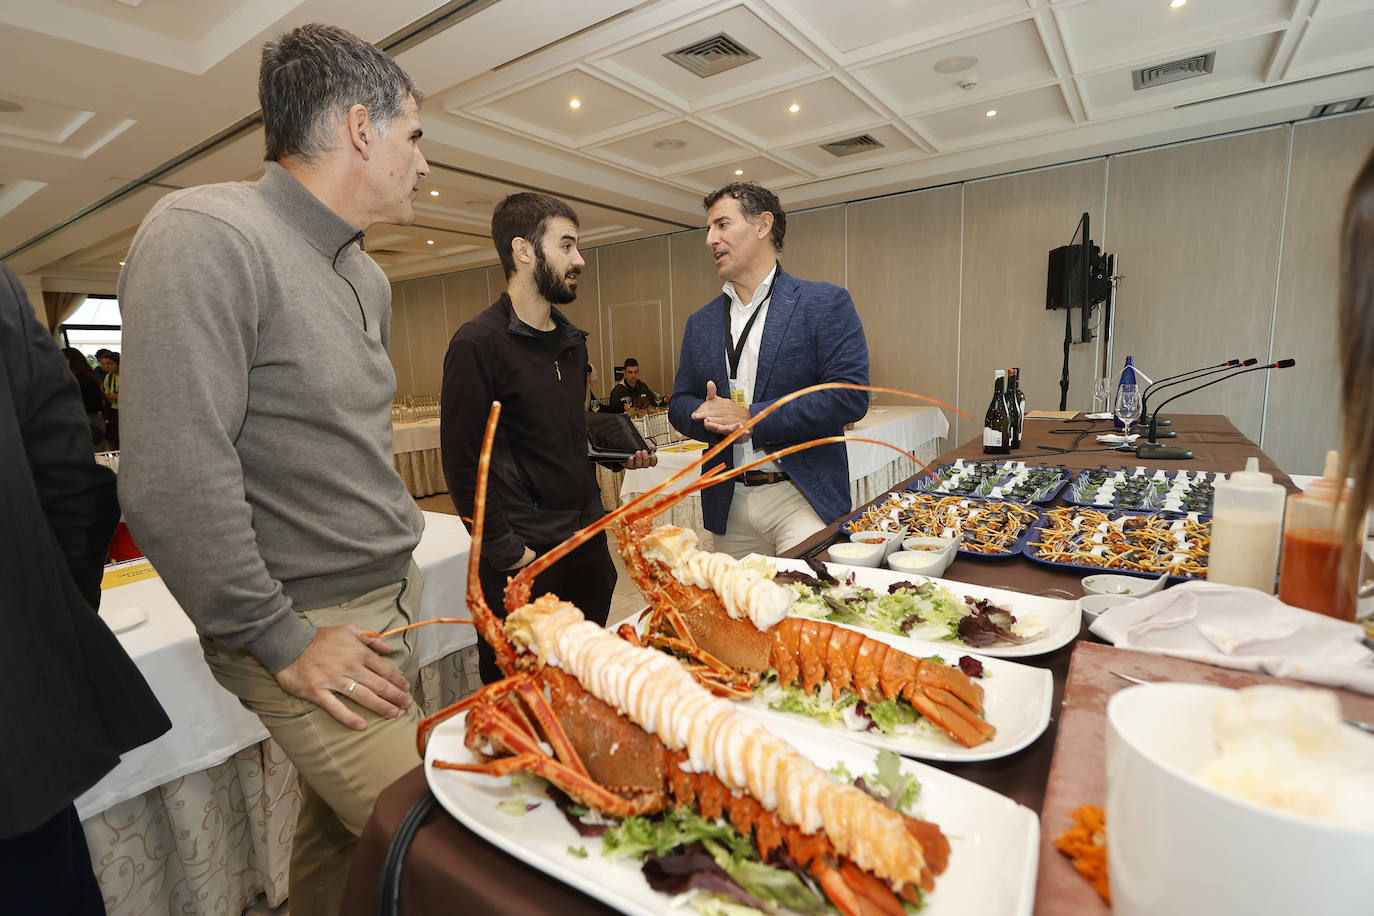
(92, 400)
(523, 352)
(631, 391)
(109, 386)
(767, 335)
(257, 471)
(75, 701)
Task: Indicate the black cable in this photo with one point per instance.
(389, 886)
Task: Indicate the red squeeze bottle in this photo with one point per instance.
(1315, 572)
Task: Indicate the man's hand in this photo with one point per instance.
(526, 559)
(337, 658)
(721, 415)
(642, 459)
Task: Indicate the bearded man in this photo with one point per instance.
(523, 352)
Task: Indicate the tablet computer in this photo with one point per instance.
(613, 436)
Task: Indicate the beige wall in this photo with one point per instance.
(1225, 244)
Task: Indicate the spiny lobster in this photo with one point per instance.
(631, 732)
(731, 621)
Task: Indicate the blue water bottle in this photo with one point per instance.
(1127, 378)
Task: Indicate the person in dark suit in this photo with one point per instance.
(75, 699)
(768, 334)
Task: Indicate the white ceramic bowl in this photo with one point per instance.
(1177, 845)
(1130, 586)
(1092, 605)
(891, 540)
(920, 562)
(855, 553)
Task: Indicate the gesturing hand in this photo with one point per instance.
(720, 415)
(345, 662)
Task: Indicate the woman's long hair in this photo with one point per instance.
(1357, 348)
(78, 363)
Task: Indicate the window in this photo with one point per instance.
(96, 324)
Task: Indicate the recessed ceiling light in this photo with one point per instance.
(794, 108)
(739, 171)
(121, 263)
(575, 103)
(429, 241)
(1175, 4)
(668, 144)
(433, 193)
(990, 113)
(955, 64)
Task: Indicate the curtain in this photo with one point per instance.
(59, 307)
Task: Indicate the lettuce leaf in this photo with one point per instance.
(636, 836)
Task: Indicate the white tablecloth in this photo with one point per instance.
(418, 458)
(208, 723)
(873, 469)
(414, 436)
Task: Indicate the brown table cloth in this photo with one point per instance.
(450, 867)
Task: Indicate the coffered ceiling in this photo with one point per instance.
(105, 105)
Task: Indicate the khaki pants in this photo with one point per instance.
(768, 519)
(342, 771)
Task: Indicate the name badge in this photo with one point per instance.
(737, 395)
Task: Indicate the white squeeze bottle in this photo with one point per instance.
(1247, 517)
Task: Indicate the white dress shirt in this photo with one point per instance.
(743, 380)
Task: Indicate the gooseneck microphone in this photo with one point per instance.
(1179, 380)
(1153, 449)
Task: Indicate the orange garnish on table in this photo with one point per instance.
(1086, 844)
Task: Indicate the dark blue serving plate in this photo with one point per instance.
(929, 483)
(1029, 551)
(1012, 550)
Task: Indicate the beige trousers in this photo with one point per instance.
(767, 519)
(342, 771)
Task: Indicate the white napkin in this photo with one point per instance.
(119, 619)
(1117, 438)
(1237, 627)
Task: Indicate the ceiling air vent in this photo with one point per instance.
(712, 55)
(1173, 71)
(1342, 106)
(851, 145)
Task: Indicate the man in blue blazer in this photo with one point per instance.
(768, 334)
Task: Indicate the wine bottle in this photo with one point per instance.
(997, 421)
(1016, 405)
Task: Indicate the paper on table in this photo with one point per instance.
(1051, 414)
(1242, 628)
(125, 573)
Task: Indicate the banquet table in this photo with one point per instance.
(200, 820)
(873, 469)
(448, 862)
(417, 457)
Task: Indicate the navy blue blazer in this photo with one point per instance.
(811, 334)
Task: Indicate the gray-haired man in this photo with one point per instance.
(257, 467)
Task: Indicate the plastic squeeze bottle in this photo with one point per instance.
(1247, 516)
(1315, 573)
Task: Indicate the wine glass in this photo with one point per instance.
(1127, 408)
(1102, 392)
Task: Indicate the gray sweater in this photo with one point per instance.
(256, 471)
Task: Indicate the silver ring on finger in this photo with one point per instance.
(352, 685)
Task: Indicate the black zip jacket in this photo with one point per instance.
(542, 487)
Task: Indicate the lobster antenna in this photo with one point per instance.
(483, 617)
(525, 576)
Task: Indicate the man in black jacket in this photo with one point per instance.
(631, 391)
(524, 353)
(75, 701)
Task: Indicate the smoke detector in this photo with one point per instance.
(968, 83)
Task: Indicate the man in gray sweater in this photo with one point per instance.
(257, 467)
